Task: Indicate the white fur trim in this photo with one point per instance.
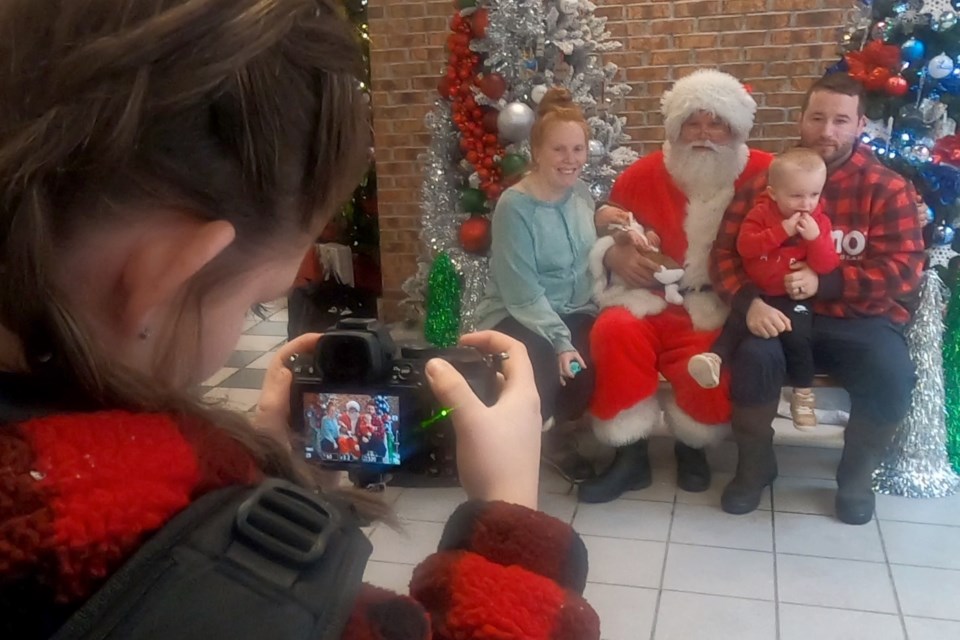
(595, 261)
(629, 425)
(610, 291)
(640, 302)
(708, 90)
(707, 311)
(700, 225)
(689, 431)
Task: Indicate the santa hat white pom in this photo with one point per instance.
(708, 90)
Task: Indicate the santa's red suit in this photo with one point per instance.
(638, 335)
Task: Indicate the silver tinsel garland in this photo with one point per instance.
(529, 43)
(916, 464)
(441, 220)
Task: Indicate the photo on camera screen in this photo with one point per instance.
(352, 427)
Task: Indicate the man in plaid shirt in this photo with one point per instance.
(859, 307)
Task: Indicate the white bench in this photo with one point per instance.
(824, 435)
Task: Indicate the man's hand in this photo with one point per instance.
(765, 321)
(790, 224)
(639, 240)
(631, 265)
(808, 228)
(609, 214)
(653, 239)
(922, 218)
(802, 283)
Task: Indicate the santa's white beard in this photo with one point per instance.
(702, 173)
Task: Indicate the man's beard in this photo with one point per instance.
(701, 172)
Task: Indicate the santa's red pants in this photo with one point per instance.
(628, 352)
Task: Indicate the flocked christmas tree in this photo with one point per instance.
(503, 56)
(907, 55)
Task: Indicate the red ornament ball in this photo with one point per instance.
(445, 87)
(897, 86)
(475, 234)
(877, 79)
(492, 85)
(479, 22)
(490, 121)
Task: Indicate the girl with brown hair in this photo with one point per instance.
(164, 164)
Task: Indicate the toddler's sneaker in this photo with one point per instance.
(705, 369)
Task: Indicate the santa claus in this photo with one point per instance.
(680, 193)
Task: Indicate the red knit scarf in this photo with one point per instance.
(80, 492)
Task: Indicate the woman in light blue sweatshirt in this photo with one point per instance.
(539, 290)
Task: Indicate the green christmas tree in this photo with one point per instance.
(442, 327)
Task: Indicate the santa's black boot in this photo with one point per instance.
(629, 471)
(863, 447)
(756, 462)
(693, 472)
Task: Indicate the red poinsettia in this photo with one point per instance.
(874, 65)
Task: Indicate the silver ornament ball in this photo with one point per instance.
(597, 150)
(515, 121)
(948, 20)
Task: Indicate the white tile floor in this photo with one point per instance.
(668, 565)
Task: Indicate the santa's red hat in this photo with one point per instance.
(708, 90)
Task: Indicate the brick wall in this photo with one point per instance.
(777, 46)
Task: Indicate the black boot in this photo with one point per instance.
(863, 448)
(629, 471)
(693, 472)
(558, 451)
(756, 462)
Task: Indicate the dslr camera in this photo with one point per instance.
(359, 403)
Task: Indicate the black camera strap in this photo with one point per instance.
(274, 561)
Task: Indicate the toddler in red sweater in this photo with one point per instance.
(786, 226)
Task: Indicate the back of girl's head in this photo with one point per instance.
(557, 105)
(115, 111)
(239, 110)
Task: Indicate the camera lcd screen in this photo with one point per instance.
(352, 427)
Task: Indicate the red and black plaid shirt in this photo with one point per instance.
(875, 230)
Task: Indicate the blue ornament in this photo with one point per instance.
(930, 215)
(913, 50)
(943, 235)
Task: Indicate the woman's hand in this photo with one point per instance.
(498, 447)
(564, 360)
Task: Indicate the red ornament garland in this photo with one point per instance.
(947, 150)
(480, 146)
(875, 65)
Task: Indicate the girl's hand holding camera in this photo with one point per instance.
(498, 447)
